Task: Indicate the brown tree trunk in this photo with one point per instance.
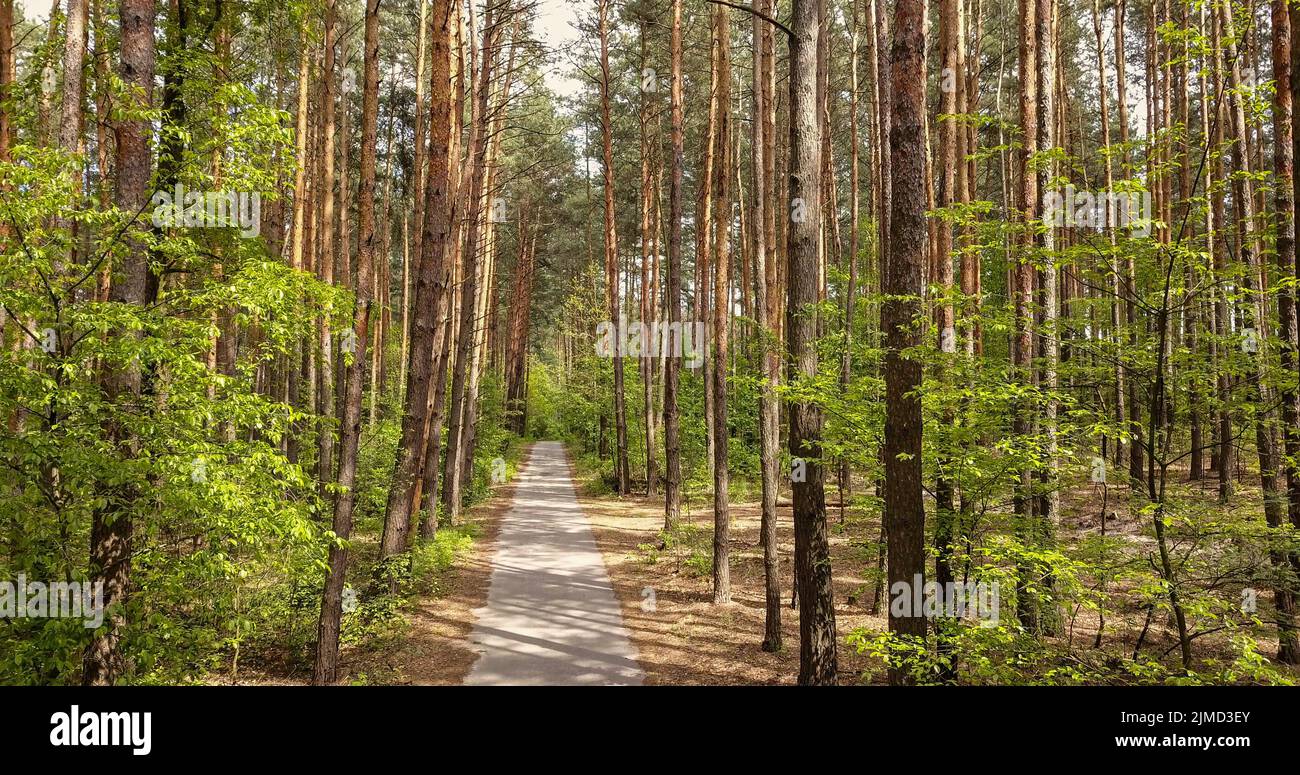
(112, 526)
(767, 300)
(1288, 334)
(673, 293)
(1135, 454)
(431, 295)
(7, 71)
(325, 670)
(325, 260)
(817, 657)
(951, 68)
(457, 435)
(903, 284)
(621, 471)
(648, 285)
(1022, 351)
(721, 304)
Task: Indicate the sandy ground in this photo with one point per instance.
(682, 638)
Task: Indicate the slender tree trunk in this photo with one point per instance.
(325, 670)
(817, 657)
(452, 491)
(951, 68)
(673, 294)
(647, 281)
(1022, 350)
(325, 261)
(721, 305)
(112, 527)
(767, 311)
(622, 473)
(1288, 334)
(1049, 499)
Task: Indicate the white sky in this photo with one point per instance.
(557, 28)
(39, 9)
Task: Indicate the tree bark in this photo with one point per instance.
(112, 528)
(431, 295)
(673, 293)
(721, 305)
(903, 285)
(817, 657)
(325, 670)
(622, 473)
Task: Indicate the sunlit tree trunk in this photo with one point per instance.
(721, 305)
(431, 294)
(673, 293)
(325, 670)
(817, 657)
(622, 472)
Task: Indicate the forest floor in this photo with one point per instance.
(667, 594)
(665, 588)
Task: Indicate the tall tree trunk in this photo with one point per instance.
(1022, 351)
(431, 295)
(112, 527)
(325, 260)
(673, 293)
(851, 291)
(648, 285)
(903, 285)
(517, 328)
(621, 471)
(487, 284)
(1288, 334)
(817, 657)
(721, 304)
(419, 162)
(1135, 460)
(7, 71)
(1049, 499)
(767, 299)
(951, 69)
(452, 488)
(325, 670)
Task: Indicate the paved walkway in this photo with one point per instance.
(551, 616)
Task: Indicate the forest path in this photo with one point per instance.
(551, 616)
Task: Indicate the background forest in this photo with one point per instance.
(997, 292)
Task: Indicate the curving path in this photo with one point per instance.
(551, 616)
